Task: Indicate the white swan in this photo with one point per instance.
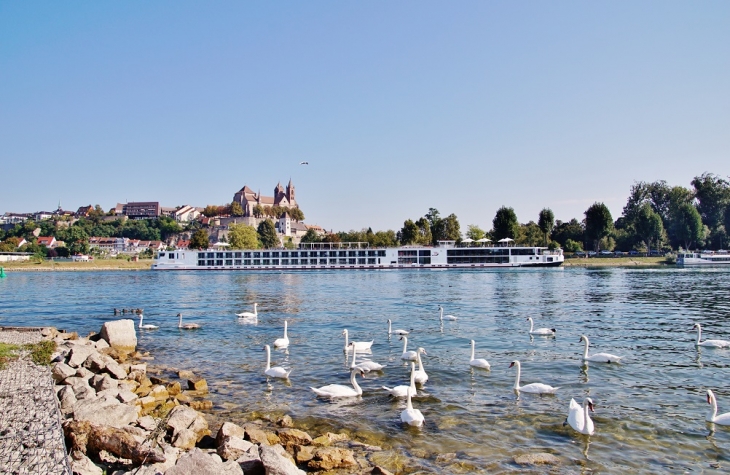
(598, 357)
(722, 419)
(535, 388)
(358, 345)
(410, 416)
(366, 365)
(578, 416)
(443, 317)
(540, 331)
(709, 343)
(420, 376)
(187, 326)
(478, 363)
(255, 313)
(339, 390)
(407, 355)
(282, 342)
(397, 332)
(148, 326)
(403, 391)
(276, 371)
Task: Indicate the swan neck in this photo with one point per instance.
(420, 364)
(354, 356)
(285, 328)
(585, 350)
(699, 334)
(389, 327)
(268, 358)
(713, 410)
(586, 415)
(517, 377)
(405, 344)
(354, 382)
(413, 377)
(353, 350)
(441, 313)
(472, 350)
(179, 321)
(531, 324)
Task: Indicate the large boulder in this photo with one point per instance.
(229, 429)
(120, 334)
(104, 412)
(198, 462)
(187, 425)
(82, 465)
(250, 462)
(294, 436)
(62, 371)
(328, 458)
(233, 447)
(276, 462)
(78, 355)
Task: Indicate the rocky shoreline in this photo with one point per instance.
(121, 419)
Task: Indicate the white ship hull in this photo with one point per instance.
(719, 258)
(353, 256)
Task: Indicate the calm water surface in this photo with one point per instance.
(649, 411)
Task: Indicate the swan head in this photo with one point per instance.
(696, 325)
(266, 348)
(710, 396)
(401, 338)
(514, 363)
(422, 350)
(344, 332)
(582, 338)
(357, 371)
(179, 315)
(589, 403)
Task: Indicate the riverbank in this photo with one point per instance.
(95, 265)
(617, 262)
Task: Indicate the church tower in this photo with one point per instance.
(290, 193)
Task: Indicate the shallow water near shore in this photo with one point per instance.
(650, 411)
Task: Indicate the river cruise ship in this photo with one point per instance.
(704, 258)
(357, 255)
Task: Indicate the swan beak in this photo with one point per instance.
(590, 406)
(511, 364)
(708, 399)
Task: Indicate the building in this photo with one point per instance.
(248, 199)
(109, 244)
(48, 241)
(142, 209)
(42, 215)
(84, 211)
(186, 214)
(290, 228)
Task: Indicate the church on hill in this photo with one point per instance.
(248, 199)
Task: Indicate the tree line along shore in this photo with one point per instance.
(657, 216)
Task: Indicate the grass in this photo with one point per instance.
(96, 264)
(41, 352)
(616, 261)
(7, 353)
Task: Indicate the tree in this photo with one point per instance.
(331, 237)
(310, 236)
(649, 226)
(546, 222)
(76, 239)
(599, 223)
(258, 211)
(529, 234)
(573, 246)
(236, 209)
(451, 231)
(199, 240)
(385, 239)
(687, 225)
(474, 232)
(168, 227)
(409, 233)
(210, 211)
(424, 232)
(436, 223)
(296, 214)
(713, 196)
(267, 234)
(504, 224)
(242, 236)
(572, 230)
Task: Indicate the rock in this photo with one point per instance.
(109, 393)
(103, 382)
(92, 439)
(62, 371)
(101, 345)
(199, 463)
(174, 388)
(67, 399)
(83, 391)
(185, 374)
(366, 447)
(201, 405)
(275, 461)
(294, 436)
(147, 423)
(136, 375)
(141, 367)
(78, 355)
(82, 465)
(114, 368)
(255, 434)
(184, 439)
(328, 438)
(303, 453)
(377, 470)
(445, 458)
(159, 392)
(233, 447)
(184, 419)
(120, 334)
(285, 421)
(84, 373)
(229, 429)
(250, 462)
(148, 403)
(197, 383)
(126, 396)
(327, 458)
(95, 362)
(540, 458)
(104, 412)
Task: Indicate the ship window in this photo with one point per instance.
(407, 253)
(303, 254)
(274, 254)
(247, 262)
(238, 261)
(211, 262)
(266, 262)
(219, 262)
(342, 261)
(256, 262)
(333, 253)
(201, 263)
(256, 255)
(323, 261)
(381, 253)
(201, 255)
(361, 253)
(285, 262)
(211, 255)
(425, 253)
(295, 262)
(361, 261)
(295, 254)
(275, 262)
(219, 255)
(371, 253)
(304, 262)
(424, 260)
(342, 254)
(162, 254)
(407, 260)
(229, 255)
(371, 260)
(351, 254)
(229, 262)
(237, 255)
(351, 261)
(266, 254)
(247, 255)
(169, 256)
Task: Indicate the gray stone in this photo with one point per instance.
(184, 439)
(141, 367)
(84, 373)
(231, 448)
(229, 429)
(184, 418)
(199, 463)
(250, 462)
(120, 334)
(82, 465)
(105, 412)
(294, 436)
(67, 399)
(126, 396)
(114, 368)
(83, 391)
(95, 362)
(276, 462)
(101, 345)
(62, 371)
(102, 382)
(540, 458)
(147, 423)
(328, 458)
(78, 355)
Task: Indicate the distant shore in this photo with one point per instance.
(123, 265)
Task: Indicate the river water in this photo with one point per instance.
(650, 411)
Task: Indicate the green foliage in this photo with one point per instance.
(436, 223)
(529, 234)
(296, 214)
(41, 352)
(572, 246)
(331, 237)
(504, 224)
(289, 244)
(546, 222)
(168, 227)
(552, 245)
(241, 236)
(408, 233)
(687, 225)
(267, 234)
(236, 209)
(7, 353)
(147, 254)
(475, 232)
(713, 196)
(210, 210)
(310, 236)
(199, 240)
(599, 223)
(608, 243)
(424, 236)
(258, 211)
(450, 229)
(649, 226)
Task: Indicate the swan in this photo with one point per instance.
(356, 345)
(535, 388)
(403, 391)
(148, 326)
(255, 313)
(578, 416)
(366, 365)
(598, 357)
(187, 326)
(410, 416)
(443, 317)
(722, 419)
(481, 362)
(407, 355)
(709, 343)
(339, 390)
(420, 376)
(540, 331)
(276, 371)
(397, 332)
(282, 342)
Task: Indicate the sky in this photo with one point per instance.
(397, 106)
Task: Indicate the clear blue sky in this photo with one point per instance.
(397, 106)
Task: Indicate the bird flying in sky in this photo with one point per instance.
(303, 163)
